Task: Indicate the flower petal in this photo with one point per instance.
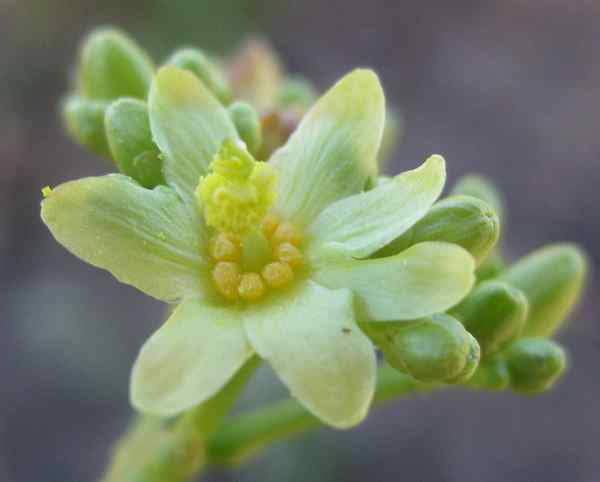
(188, 124)
(313, 343)
(145, 238)
(361, 224)
(189, 359)
(334, 150)
(426, 278)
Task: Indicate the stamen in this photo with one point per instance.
(226, 247)
(269, 225)
(251, 287)
(226, 276)
(287, 232)
(277, 274)
(289, 254)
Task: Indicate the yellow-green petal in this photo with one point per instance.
(333, 152)
(427, 278)
(146, 238)
(361, 224)
(312, 341)
(188, 124)
(189, 359)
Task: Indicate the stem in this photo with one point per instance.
(245, 434)
(155, 450)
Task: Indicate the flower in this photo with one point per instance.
(265, 258)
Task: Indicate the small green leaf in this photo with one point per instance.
(198, 63)
(189, 359)
(427, 278)
(112, 65)
(130, 140)
(333, 151)
(148, 239)
(433, 349)
(84, 121)
(552, 278)
(534, 364)
(462, 220)
(247, 124)
(495, 313)
(188, 124)
(310, 337)
(361, 224)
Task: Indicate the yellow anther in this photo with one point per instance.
(269, 225)
(226, 247)
(239, 192)
(287, 232)
(251, 287)
(226, 276)
(277, 274)
(289, 254)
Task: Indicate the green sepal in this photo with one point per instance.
(552, 278)
(296, 92)
(534, 364)
(491, 374)
(432, 349)
(494, 313)
(130, 140)
(462, 220)
(84, 122)
(247, 123)
(112, 65)
(198, 63)
(481, 188)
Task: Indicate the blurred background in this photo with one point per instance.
(509, 89)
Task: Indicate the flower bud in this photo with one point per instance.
(433, 349)
(552, 279)
(247, 124)
(462, 220)
(491, 267)
(393, 133)
(491, 374)
(494, 313)
(481, 188)
(130, 140)
(296, 92)
(197, 62)
(112, 65)
(84, 121)
(534, 364)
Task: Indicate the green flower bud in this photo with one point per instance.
(198, 63)
(534, 364)
(433, 349)
(296, 92)
(491, 374)
(112, 65)
(494, 313)
(84, 121)
(481, 188)
(392, 136)
(462, 220)
(130, 140)
(472, 363)
(552, 278)
(247, 124)
(491, 268)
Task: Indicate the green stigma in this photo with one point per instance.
(239, 191)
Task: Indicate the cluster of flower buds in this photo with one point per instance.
(498, 337)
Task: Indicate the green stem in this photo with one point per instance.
(245, 434)
(155, 450)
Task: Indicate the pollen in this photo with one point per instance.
(239, 192)
(226, 247)
(278, 274)
(287, 232)
(227, 276)
(269, 225)
(289, 254)
(252, 287)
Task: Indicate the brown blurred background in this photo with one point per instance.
(509, 88)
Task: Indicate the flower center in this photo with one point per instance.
(247, 267)
(252, 251)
